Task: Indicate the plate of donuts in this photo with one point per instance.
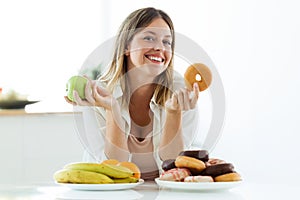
(197, 186)
(194, 170)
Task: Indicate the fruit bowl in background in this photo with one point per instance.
(11, 99)
(15, 104)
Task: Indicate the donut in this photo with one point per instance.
(234, 176)
(175, 174)
(214, 161)
(198, 179)
(199, 154)
(198, 73)
(168, 164)
(193, 164)
(216, 170)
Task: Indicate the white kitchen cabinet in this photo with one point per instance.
(34, 145)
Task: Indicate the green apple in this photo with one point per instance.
(78, 84)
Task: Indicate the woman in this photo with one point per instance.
(139, 101)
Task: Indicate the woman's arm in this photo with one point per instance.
(115, 137)
(172, 139)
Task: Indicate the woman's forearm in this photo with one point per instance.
(171, 140)
(116, 143)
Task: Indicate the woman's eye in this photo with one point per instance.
(167, 42)
(149, 38)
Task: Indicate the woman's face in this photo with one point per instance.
(151, 48)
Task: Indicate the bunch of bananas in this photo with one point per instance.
(96, 173)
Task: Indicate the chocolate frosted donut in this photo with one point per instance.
(217, 170)
(199, 154)
(168, 164)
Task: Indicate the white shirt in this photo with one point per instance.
(92, 136)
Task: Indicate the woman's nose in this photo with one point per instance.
(159, 46)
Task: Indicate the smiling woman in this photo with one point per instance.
(141, 111)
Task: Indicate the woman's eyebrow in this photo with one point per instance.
(153, 33)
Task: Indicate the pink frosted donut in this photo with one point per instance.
(214, 161)
(175, 174)
(198, 179)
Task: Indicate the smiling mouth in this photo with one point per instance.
(155, 59)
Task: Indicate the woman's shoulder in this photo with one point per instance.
(101, 82)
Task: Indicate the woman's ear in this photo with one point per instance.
(126, 52)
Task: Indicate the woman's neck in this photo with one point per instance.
(142, 95)
(139, 105)
(138, 78)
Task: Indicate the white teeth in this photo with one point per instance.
(155, 58)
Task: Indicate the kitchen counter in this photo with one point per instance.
(48, 106)
(35, 144)
(149, 190)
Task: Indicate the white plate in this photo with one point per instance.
(112, 186)
(198, 186)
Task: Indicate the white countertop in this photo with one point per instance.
(149, 190)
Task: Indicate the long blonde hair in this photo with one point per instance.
(132, 24)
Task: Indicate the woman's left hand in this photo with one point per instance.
(183, 99)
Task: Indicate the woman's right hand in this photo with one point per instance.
(181, 100)
(94, 96)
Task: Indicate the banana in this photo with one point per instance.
(81, 176)
(112, 171)
(126, 180)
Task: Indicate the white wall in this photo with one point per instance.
(43, 43)
(254, 44)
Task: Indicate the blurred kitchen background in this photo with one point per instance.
(255, 46)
